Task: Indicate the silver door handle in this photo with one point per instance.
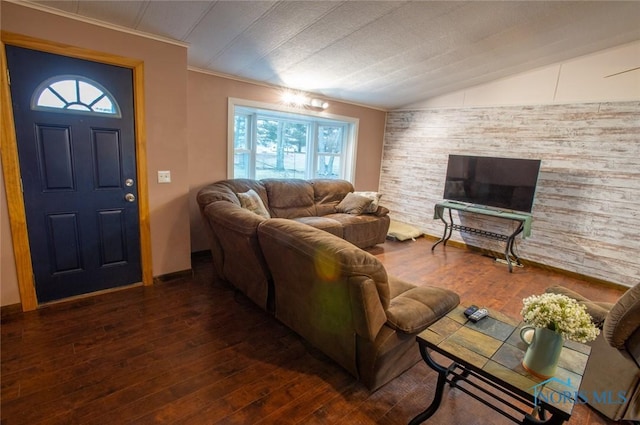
(130, 197)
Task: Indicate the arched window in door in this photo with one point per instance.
(76, 94)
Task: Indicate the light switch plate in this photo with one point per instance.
(164, 176)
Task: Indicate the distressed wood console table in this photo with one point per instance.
(523, 219)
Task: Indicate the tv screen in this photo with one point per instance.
(506, 183)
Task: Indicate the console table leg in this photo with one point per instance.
(442, 239)
(513, 254)
(507, 249)
(448, 230)
(437, 398)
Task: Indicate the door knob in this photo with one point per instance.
(130, 197)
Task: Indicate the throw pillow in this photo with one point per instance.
(353, 204)
(375, 200)
(251, 201)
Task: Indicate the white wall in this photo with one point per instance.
(608, 75)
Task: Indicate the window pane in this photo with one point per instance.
(47, 98)
(330, 139)
(88, 93)
(281, 150)
(104, 106)
(267, 133)
(78, 107)
(241, 166)
(268, 165)
(296, 165)
(295, 135)
(328, 166)
(66, 89)
(240, 128)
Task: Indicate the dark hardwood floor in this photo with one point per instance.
(189, 351)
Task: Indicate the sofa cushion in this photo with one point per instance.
(375, 200)
(290, 198)
(353, 204)
(417, 308)
(328, 193)
(323, 223)
(251, 201)
(362, 230)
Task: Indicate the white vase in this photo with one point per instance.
(543, 351)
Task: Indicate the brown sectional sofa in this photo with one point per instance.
(305, 265)
(232, 230)
(340, 299)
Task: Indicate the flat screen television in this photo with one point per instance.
(505, 183)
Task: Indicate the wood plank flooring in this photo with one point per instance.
(191, 351)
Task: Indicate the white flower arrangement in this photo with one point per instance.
(560, 314)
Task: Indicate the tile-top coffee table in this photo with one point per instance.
(486, 363)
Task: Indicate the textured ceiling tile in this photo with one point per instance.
(321, 35)
(222, 24)
(172, 19)
(366, 47)
(123, 13)
(450, 44)
(274, 28)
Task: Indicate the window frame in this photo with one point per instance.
(314, 119)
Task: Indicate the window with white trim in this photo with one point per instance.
(72, 93)
(279, 142)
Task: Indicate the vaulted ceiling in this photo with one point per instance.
(383, 54)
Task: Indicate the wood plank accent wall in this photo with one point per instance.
(586, 214)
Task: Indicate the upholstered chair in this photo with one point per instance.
(611, 382)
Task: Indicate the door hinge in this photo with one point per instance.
(21, 186)
(8, 77)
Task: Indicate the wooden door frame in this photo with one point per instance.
(11, 165)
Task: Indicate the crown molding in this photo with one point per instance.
(87, 20)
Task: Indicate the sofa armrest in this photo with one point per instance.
(416, 309)
(623, 318)
(232, 217)
(609, 371)
(369, 316)
(381, 211)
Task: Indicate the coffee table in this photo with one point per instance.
(486, 363)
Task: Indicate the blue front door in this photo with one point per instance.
(76, 145)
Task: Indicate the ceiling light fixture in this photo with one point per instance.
(319, 103)
(302, 100)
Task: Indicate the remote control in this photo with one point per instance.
(470, 310)
(478, 315)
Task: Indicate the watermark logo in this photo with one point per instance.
(556, 395)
